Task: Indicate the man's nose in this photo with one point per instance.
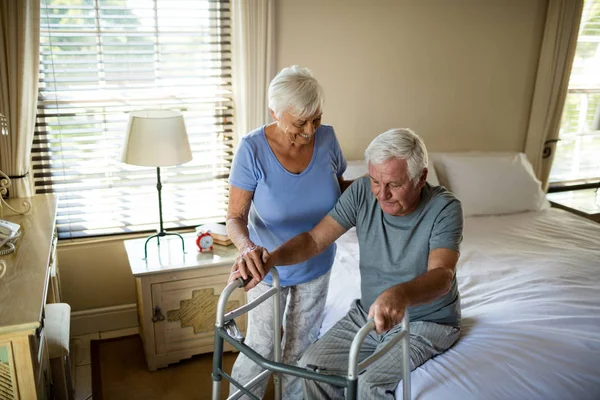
(384, 192)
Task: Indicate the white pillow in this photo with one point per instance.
(358, 168)
(432, 177)
(491, 183)
(355, 169)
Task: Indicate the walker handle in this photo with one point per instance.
(223, 317)
(354, 367)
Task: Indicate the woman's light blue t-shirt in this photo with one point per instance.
(286, 204)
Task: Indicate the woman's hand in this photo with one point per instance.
(250, 263)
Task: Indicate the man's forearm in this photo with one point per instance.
(296, 250)
(425, 288)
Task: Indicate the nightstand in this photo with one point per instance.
(177, 296)
(581, 202)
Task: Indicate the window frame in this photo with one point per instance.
(215, 143)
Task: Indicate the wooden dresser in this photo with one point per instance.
(24, 365)
(177, 296)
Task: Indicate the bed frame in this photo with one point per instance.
(227, 330)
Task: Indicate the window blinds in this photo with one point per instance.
(101, 59)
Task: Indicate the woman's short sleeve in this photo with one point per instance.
(244, 172)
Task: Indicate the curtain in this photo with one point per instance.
(19, 67)
(253, 61)
(552, 81)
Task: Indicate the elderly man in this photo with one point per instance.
(409, 234)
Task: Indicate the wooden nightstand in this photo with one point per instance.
(177, 296)
(581, 202)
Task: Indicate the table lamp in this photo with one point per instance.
(156, 138)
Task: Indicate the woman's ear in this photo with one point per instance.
(273, 115)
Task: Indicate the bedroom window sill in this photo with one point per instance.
(584, 202)
(568, 186)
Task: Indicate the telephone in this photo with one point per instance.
(9, 233)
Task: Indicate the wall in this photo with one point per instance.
(461, 73)
(95, 275)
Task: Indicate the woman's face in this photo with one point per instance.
(299, 130)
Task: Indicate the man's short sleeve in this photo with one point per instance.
(447, 230)
(244, 172)
(346, 209)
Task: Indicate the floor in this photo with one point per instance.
(82, 363)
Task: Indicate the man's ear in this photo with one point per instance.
(423, 178)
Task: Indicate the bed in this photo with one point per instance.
(530, 296)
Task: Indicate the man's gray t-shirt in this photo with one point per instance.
(395, 249)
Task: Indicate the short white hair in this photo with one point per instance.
(296, 91)
(403, 144)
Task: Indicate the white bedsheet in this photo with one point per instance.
(530, 296)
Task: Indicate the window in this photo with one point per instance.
(99, 60)
(577, 158)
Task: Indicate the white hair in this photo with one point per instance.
(296, 91)
(403, 144)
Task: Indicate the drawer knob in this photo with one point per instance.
(157, 315)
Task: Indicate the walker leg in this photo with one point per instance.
(217, 367)
(277, 337)
(216, 390)
(406, 361)
(352, 389)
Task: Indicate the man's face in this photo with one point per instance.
(391, 184)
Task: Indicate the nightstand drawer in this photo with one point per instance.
(185, 312)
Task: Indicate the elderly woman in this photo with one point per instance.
(285, 177)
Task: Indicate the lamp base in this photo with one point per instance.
(158, 236)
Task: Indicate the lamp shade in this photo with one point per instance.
(156, 138)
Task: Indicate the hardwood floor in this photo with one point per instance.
(81, 359)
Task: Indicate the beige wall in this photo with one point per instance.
(459, 72)
(95, 275)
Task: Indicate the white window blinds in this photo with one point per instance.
(101, 59)
(577, 155)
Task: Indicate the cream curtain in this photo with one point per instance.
(19, 66)
(253, 46)
(554, 68)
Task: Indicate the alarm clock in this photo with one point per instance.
(204, 241)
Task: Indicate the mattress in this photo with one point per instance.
(530, 297)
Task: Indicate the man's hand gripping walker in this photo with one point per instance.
(226, 329)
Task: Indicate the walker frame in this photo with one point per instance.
(226, 330)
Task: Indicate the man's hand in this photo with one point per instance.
(257, 261)
(251, 263)
(388, 309)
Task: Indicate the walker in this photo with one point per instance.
(226, 329)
